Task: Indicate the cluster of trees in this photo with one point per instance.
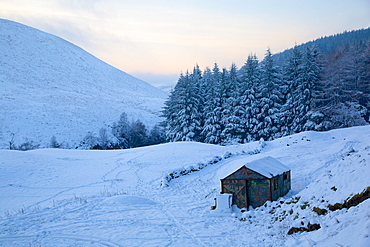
(345, 77)
(346, 84)
(123, 134)
(264, 100)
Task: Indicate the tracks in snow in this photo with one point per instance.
(48, 239)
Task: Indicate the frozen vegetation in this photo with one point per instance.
(124, 197)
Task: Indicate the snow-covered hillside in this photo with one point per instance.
(139, 197)
(52, 87)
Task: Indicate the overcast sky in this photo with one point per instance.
(156, 40)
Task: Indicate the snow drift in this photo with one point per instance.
(52, 87)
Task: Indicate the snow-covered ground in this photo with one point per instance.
(50, 87)
(53, 197)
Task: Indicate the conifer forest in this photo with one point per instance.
(320, 85)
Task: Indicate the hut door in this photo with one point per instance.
(239, 190)
(258, 192)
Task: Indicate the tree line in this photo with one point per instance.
(263, 100)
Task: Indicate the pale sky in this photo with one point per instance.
(156, 40)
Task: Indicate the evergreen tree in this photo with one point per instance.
(183, 120)
(213, 107)
(269, 99)
(248, 81)
(206, 97)
(294, 77)
(224, 109)
(171, 110)
(232, 111)
(199, 94)
(313, 119)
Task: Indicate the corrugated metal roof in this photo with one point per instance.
(268, 167)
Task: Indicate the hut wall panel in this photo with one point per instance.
(258, 192)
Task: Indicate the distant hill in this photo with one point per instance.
(328, 45)
(52, 87)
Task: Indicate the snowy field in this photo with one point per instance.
(54, 197)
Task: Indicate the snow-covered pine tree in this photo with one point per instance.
(232, 112)
(206, 95)
(212, 107)
(199, 87)
(269, 99)
(293, 77)
(183, 120)
(313, 119)
(170, 111)
(225, 90)
(248, 81)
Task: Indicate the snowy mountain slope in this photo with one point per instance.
(52, 87)
(119, 198)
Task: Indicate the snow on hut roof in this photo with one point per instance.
(268, 167)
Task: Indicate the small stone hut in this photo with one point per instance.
(256, 182)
